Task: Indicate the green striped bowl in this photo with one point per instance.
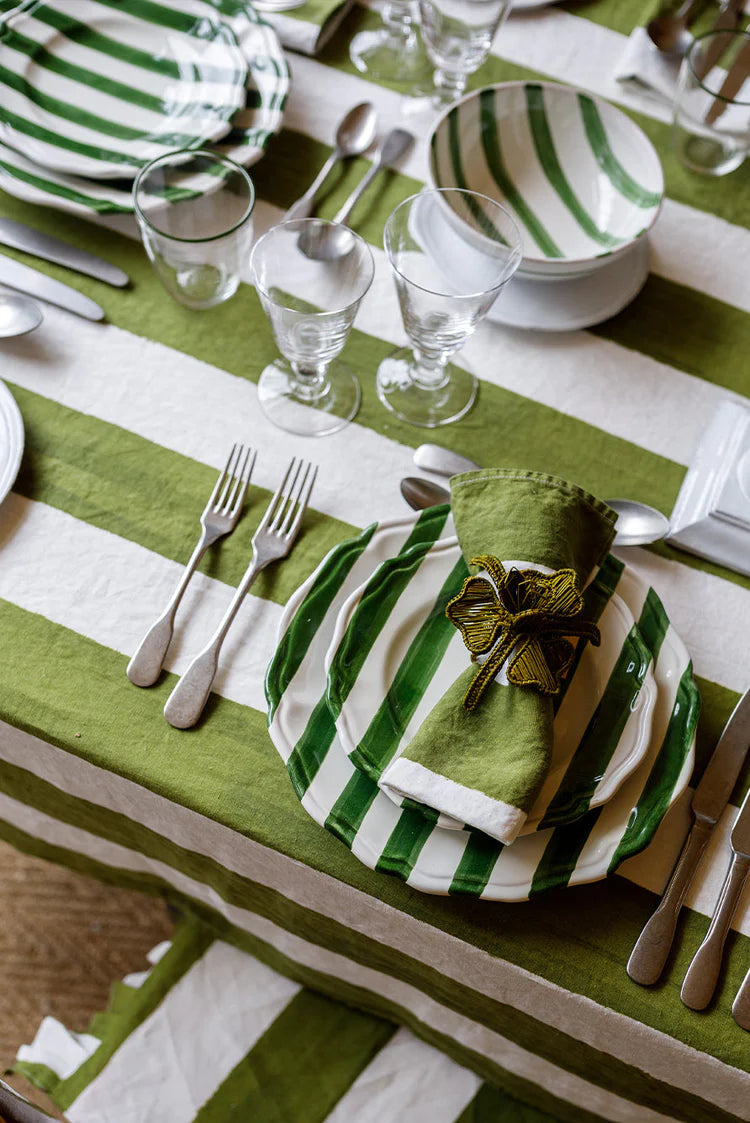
(582, 181)
(251, 126)
(403, 841)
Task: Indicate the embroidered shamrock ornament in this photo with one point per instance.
(522, 619)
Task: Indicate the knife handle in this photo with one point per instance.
(651, 949)
(702, 975)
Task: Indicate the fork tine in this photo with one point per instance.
(237, 479)
(245, 473)
(305, 493)
(220, 481)
(275, 498)
(288, 500)
(231, 471)
(295, 498)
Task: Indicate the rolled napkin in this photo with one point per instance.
(308, 27)
(646, 70)
(482, 754)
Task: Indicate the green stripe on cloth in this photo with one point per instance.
(529, 1033)
(302, 1065)
(115, 480)
(490, 1105)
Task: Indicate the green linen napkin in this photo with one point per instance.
(485, 766)
(308, 28)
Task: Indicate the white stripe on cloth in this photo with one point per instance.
(583, 1019)
(407, 1079)
(112, 590)
(727, 1092)
(177, 1058)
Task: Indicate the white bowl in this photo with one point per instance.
(582, 181)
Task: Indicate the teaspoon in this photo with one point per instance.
(18, 315)
(355, 134)
(637, 523)
(670, 34)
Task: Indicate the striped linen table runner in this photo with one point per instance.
(175, 1046)
(126, 425)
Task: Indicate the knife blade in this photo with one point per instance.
(709, 800)
(21, 237)
(702, 975)
(31, 281)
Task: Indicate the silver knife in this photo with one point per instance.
(31, 281)
(702, 975)
(709, 800)
(22, 237)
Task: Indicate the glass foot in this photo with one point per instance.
(312, 410)
(389, 57)
(427, 406)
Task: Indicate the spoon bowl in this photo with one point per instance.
(354, 135)
(18, 315)
(637, 523)
(669, 33)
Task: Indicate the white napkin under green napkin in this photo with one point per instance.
(485, 766)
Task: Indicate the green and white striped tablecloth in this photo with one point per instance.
(126, 426)
(283, 1054)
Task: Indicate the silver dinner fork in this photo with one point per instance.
(272, 541)
(218, 519)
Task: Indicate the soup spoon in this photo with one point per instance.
(18, 315)
(637, 523)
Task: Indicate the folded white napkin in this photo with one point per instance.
(646, 70)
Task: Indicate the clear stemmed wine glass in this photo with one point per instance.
(311, 302)
(451, 252)
(393, 52)
(457, 35)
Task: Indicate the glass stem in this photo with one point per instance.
(449, 86)
(397, 17)
(311, 380)
(430, 369)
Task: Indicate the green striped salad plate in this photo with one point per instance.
(582, 181)
(334, 633)
(96, 88)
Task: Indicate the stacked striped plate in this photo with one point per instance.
(365, 651)
(582, 181)
(92, 90)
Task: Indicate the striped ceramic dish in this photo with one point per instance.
(258, 118)
(582, 181)
(394, 653)
(405, 842)
(99, 91)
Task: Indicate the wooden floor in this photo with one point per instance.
(63, 939)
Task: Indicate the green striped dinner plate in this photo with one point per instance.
(582, 181)
(394, 653)
(403, 841)
(99, 91)
(96, 57)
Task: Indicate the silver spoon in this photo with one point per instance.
(355, 134)
(327, 243)
(637, 524)
(18, 315)
(670, 34)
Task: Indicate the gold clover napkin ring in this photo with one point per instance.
(521, 617)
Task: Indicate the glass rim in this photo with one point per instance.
(734, 33)
(301, 222)
(217, 158)
(453, 191)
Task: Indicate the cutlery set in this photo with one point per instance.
(709, 800)
(272, 541)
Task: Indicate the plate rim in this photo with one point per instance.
(11, 415)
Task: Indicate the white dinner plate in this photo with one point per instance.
(412, 655)
(404, 842)
(11, 440)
